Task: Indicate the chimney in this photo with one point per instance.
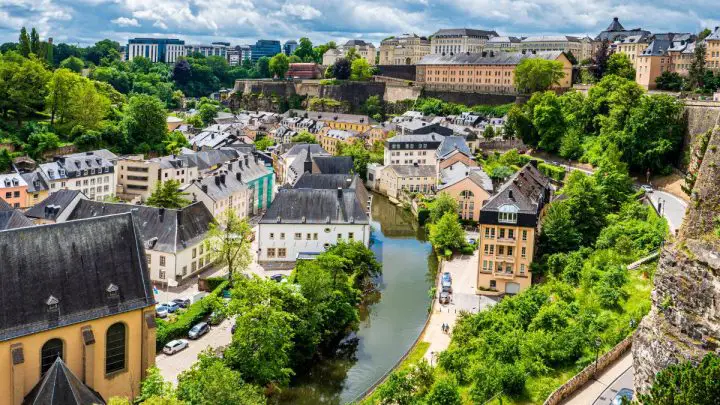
(247, 162)
(217, 180)
(534, 162)
(484, 54)
(204, 188)
(222, 178)
(238, 176)
(492, 53)
(339, 193)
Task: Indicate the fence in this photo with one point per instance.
(588, 372)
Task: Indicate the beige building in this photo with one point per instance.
(332, 139)
(366, 50)
(93, 173)
(712, 58)
(486, 72)
(416, 149)
(394, 179)
(469, 185)
(406, 49)
(659, 57)
(508, 226)
(503, 44)
(563, 43)
(67, 335)
(632, 46)
(456, 41)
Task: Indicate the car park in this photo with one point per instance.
(198, 330)
(175, 346)
(171, 306)
(182, 302)
(161, 311)
(444, 298)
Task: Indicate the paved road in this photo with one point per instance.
(673, 208)
(600, 390)
(625, 380)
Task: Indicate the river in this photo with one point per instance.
(389, 325)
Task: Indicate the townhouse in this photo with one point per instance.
(412, 149)
(470, 186)
(93, 173)
(392, 180)
(13, 189)
(332, 139)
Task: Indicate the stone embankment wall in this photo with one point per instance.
(699, 118)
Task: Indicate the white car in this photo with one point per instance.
(175, 346)
(161, 311)
(647, 188)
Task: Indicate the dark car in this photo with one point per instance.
(182, 302)
(277, 277)
(233, 328)
(199, 330)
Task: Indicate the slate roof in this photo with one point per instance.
(551, 38)
(312, 147)
(431, 137)
(451, 144)
(329, 116)
(357, 42)
(333, 164)
(74, 262)
(340, 134)
(500, 58)
(12, 219)
(225, 181)
(4, 206)
(714, 36)
(412, 170)
(459, 171)
(504, 39)
(615, 25)
(164, 230)
(326, 181)
(36, 181)
(58, 200)
(313, 206)
(11, 180)
(616, 31)
(455, 32)
(206, 159)
(527, 189)
(59, 386)
(73, 165)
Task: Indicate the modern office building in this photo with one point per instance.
(289, 47)
(214, 49)
(264, 47)
(166, 50)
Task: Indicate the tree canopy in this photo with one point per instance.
(534, 74)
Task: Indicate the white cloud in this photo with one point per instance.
(302, 11)
(126, 22)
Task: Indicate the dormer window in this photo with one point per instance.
(52, 304)
(508, 214)
(112, 291)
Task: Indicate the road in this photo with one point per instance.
(602, 390)
(672, 208)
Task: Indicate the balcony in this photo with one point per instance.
(505, 258)
(507, 241)
(503, 275)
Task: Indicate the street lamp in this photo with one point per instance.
(432, 354)
(598, 343)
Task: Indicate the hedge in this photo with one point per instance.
(214, 282)
(167, 331)
(554, 172)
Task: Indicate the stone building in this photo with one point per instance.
(406, 49)
(456, 41)
(503, 44)
(365, 50)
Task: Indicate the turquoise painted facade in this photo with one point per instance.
(264, 189)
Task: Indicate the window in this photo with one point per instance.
(487, 249)
(339, 236)
(510, 250)
(193, 267)
(522, 269)
(522, 252)
(202, 249)
(493, 284)
(524, 235)
(272, 235)
(508, 214)
(308, 236)
(282, 235)
(282, 252)
(502, 233)
(148, 258)
(484, 265)
(511, 234)
(115, 348)
(315, 236)
(351, 235)
(194, 253)
(492, 249)
(162, 274)
(184, 270)
(51, 350)
(162, 261)
(201, 262)
(271, 252)
(298, 236)
(501, 250)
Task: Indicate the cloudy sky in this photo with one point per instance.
(243, 21)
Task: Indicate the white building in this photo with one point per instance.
(166, 50)
(319, 211)
(459, 40)
(93, 173)
(416, 149)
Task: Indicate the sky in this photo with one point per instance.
(84, 22)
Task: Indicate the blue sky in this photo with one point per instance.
(243, 21)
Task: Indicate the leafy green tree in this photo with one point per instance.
(441, 205)
(559, 233)
(175, 142)
(548, 120)
(397, 390)
(73, 64)
(60, 87)
(182, 72)
(600, 59)
(360, 70)
(696, 71)
(24, 86)
(264, 143)
(294, 59)
(154, 385)
(279, 65)
(167, 194)
(342, 69)
(619, 64)
(41, 142)
(207, 112)
(24, 43)
(263, 67)
(518, 125)
(686, 383)
(587, 204)
(228, 243)
(87, 107)
(447, 234)
(5, 160)
(668, 80)
(145, 124)
(703, 34)
(374, 108)
(304, 51)
(445, 391)
(304, 137)
(489, 132)
(533, 74)
(360, 156)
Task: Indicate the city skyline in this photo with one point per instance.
(84, 22)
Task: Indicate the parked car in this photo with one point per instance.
(199, 330)
(471, 241)
(175, 346)
(182, 302)
(447, 276)
(161, 311)
(626, 393)
(171, 306)
(444, 297)
(647, 188)
(277, 277)
(233, 328)
(446, 283)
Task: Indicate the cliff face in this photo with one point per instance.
(684, 321)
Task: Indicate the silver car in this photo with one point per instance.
(175, 346)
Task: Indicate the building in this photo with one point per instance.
(214, 49)
(632, 46)
(508, 228)
(712, 56)
(290, 164)
(561, 43)
(486, 72)
(56, 208)
(37, 189)
(657, 58)
(12, 218)
(78, 312)
(453, 149)
(504, 44)
(412, 149)
(332, 139)
(304, 71)
(13, 190)
(166, 50)
(173, 239)
(392, 180)
(365, 50)
(264, 47)
(237, 54)
(346, 122)
(616, 32)
(319, 211)
(407, 49)
(455, 41)
(93, 173)
(289, 47)
(469, 185)
(244, 185)
(417, 126)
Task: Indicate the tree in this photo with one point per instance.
(72, 63)
(35, 42)
(279, 65)
(5, 160)
(360, 156)
(489, 132)
(304, 51)
(182, 72)
(696, 71)
(209, 381)
(264, 143)
(40, 142)
(668, 80)
(600, 59)
(87, 107)
(154, 385)
(533, 74)
(342, 69)
(228, 243)
(360, 70)
(447, 234)
(304, 137)
(558, 230)
(207, 112)
(445, 391)
(25, 86)
(441, 205)
(686, 383)
(374, 108)
(263, 67)
(145, 123)
(175, 142)
(24, 43)
(59, 89)
(619, 64)
(167, 194)
(703, 34)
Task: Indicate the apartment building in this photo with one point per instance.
(615, 32)
(332, 139)
(508, 228)
(712, 57)
(392, 180)
(581, 48)
(470, 186)
(657, 58)
(456, 41)
(319, 211)
(37, 189)
(365, 50)
(93, 173)
(289, 47)
(406, 49)
(13, 190)
(345, 122)
(56, 208)
(214, 49)
(632, 46)
(486, 72)
(138, 177)
(264, 47)
(412, 149)
(290, 165)
(166, 50)
(503, 44)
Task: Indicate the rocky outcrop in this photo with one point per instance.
(684, 321)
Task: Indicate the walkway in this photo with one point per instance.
(602, 390)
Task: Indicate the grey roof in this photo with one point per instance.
(58, 200)
(340, 134)
(12, 219)
(525, 189)
(4, 206)
(357, 42)
(459, 171)
(715, 36)
(35, 181)
(333, 164)
(431, 137)
(164, 230)
(504, 39)
(616, 31)
(206, 159)
(313, 206)
(451, 144)
(663, 42)
(615, 25)
(327, 181)
(59, 386)
(329, 116)
(233, 176)
(455, 32)
(413, 171)
(500, 58)
(75, 163)
(551, 38)
(73, 262)
(312, 147)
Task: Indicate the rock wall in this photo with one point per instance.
(684, 321)
(699, 119)
(398, 93)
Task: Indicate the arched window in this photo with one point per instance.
(467, 194)
(51, 350)
(115, 348)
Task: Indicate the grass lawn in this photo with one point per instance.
(415, 356)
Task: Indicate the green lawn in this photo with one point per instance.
(416, 354)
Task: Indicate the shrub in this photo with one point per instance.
(468, 250)
(214, 282)
(167, 331)
(554, 172)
